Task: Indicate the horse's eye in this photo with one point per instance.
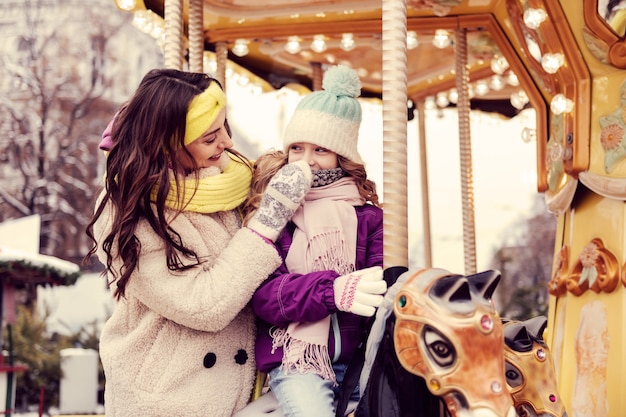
(440, 349)
(402, 301)
(513, 376)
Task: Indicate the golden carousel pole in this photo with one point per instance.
(196, 36)
(421, 125)
(395, 221)
(465, 146)
(172, 51)
(221, 58)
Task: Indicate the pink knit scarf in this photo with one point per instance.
(324, 239)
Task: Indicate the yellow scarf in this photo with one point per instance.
(222, 192)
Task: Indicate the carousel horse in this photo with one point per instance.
(441, 350)
(391, 386)
(529, 369)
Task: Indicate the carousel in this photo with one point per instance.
(565, 59)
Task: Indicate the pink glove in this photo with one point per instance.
(360, 292)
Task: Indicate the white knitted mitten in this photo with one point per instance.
(282, 197)
(361, 291)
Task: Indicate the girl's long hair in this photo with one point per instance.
(148, 130)
(268, 164)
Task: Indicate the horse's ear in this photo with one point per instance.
(461, 292)
(485, 282)
(536, 326)
(517, 338)
(452, 288)
(391, 274)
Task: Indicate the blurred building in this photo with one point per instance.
(93, 30)
(65, 67)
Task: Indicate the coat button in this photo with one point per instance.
(209, 360)
(241, 357)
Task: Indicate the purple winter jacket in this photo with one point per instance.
(284, 297)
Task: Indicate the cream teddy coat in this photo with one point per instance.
(182, 344)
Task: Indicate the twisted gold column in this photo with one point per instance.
(318, 75)
(221, 58)
(465, 147)
(196, 36)
(421, 124)
(395, 220)
(172, 50)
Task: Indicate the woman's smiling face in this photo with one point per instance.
(209, 147)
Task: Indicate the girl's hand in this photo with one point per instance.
(282, 197)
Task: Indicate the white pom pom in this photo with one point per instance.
(342, 81)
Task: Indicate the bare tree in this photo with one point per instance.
(526, 266)
(52, 112)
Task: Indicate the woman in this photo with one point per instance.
(167, 227)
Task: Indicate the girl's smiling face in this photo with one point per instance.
(209, 147)
(316, 156)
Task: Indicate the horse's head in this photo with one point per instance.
(530, 370)
(448, 332)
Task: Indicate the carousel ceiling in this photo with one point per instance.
(281, 41)
(514, 54)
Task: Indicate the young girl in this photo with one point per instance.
(167, 227)
(314, 308)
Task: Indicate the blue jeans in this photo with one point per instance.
(307, 395)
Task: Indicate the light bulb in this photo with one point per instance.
(143, 20)
(496, 83)
(411, 40)
(512, 79)
(481, 88)
(347, 42)
(453, 95)
(157, 31)
(209, 64)
(519, 99)
(243, 80)
(256, 89)
(561, 104)
(533, 18)
(127, 5)
(528, 135)
(552, 62)
(241, 47)
(319, 43)
(429, 103)
(442, 99)
(441, 39)
(499, 65)
(293, 45)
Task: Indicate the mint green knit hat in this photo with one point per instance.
(330, 117)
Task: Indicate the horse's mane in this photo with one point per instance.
(387, 389)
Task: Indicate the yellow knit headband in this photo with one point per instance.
(203, 111)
